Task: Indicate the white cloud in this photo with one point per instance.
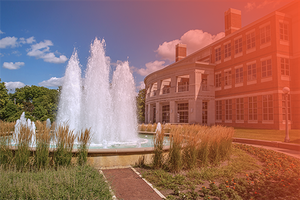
(11, 65)
(52, 82)
(141, 85)
(11, 86)
(194, 39)
(27, 41)
(1, 32)
(8, 42)
(42, 50)
(151, 67)
(262, 4)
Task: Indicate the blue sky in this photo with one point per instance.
(38, 37)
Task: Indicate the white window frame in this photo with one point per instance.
(250, 41)
(267, 108)
(238, 46)
(253, 71)
(239, 75)
(266, 68)
(227, 51)
(265, 35)
(284, 37)
(218, 54)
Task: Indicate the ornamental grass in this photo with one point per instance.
(84, 139)
(64, 139)
(158, 142)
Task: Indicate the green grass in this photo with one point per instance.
(239, 164)
(270, 135)
(64, 183)
(251, 173)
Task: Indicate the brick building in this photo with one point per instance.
(236, 81)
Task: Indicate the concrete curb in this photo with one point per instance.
(282, 145)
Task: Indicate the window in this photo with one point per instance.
(218, 54)
(219, 110)
(153, 90)
(238, 46)
(266, 68)
(251, 72)
(183, 113)
(228, 109)
(265, 34)
(154, 114)
(218, 79)
(252, 108)
(240, 109)
(166, 113)
(284, 107)
(183, 83)
(267, 105)
(250, 40)
(204, 82)
(285, 66)
(283, 31)
(204, 112)
(227, 78)
(227, 50)
(239, 75)
(166, 86)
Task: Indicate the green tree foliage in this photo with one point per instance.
(3, 98)
(38, 103)
(140, 100)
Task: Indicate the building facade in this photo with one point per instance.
(236, 81)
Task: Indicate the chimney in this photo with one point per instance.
(233, 21)
(180, 51)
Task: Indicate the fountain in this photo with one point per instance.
(109, 109)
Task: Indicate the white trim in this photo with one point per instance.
(218, 88)
(266, 58)
(283, 56)
(265, 24)
(226, 59)
(239, 121)
(239, 85)
(252, 121)
(251, 50)
(285, 78)
(238, 66)
(265, 45)
(251, 31)
(266, 79)
(238, 37)
(225, 43)
(284, 42)
(250, 63)
(238, 54)
(228, 121)
(218, 72)
(218, 121)
(219, 46)
(250, 95)
(268, 121)
(227, 86)
(228, 69)
(252, 82)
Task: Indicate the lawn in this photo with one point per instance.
(82, 182)
(270, 135)
(250, 173)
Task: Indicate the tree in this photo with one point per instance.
(4, 98)
(140, 99)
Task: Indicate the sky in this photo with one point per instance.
(37, 38)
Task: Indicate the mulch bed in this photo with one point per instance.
(127, 185)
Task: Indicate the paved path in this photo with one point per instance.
(127, 184)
